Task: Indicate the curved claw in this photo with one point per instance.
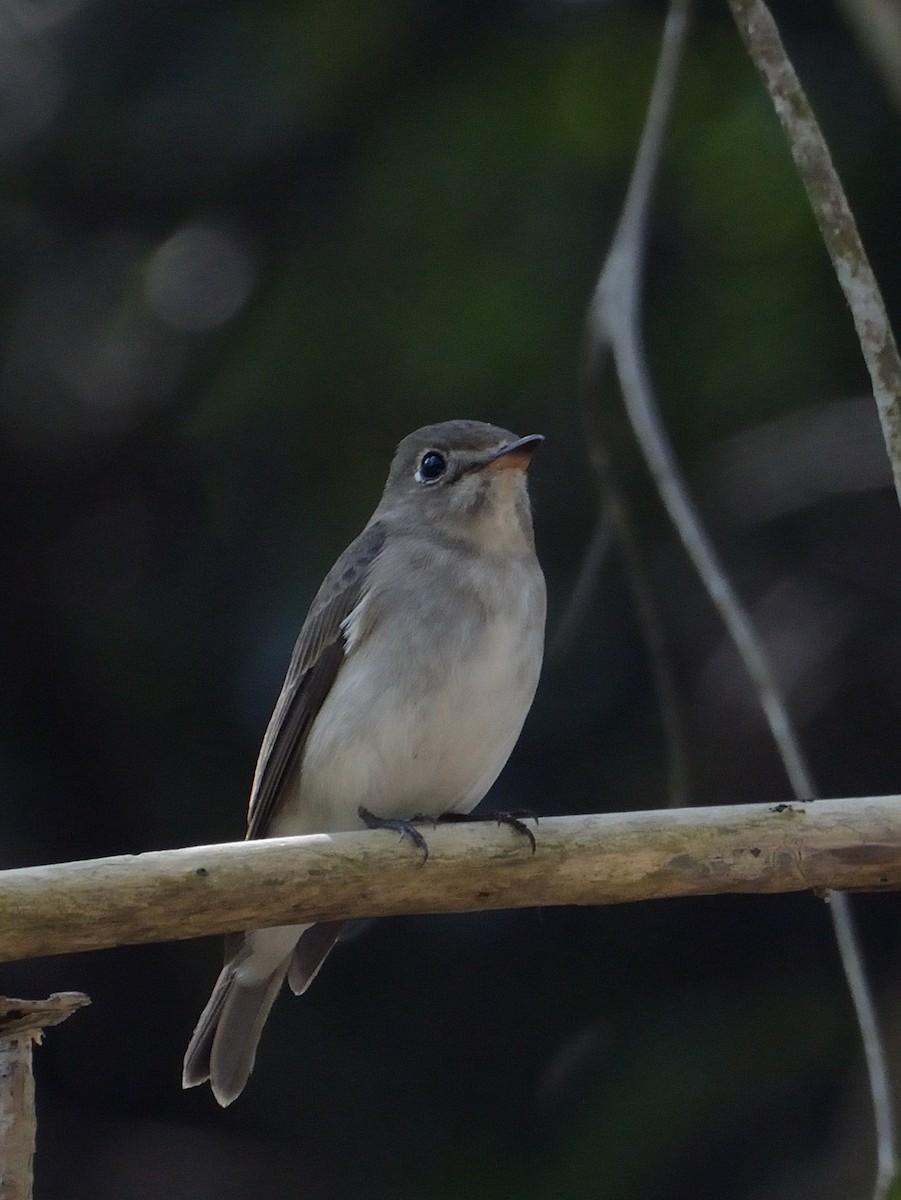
(404, 828)
(515, 819)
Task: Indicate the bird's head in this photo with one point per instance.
(467, 479)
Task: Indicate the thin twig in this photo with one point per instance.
(601, 334)
(614, 327)
(877, 343)
(833, 215)
(668, 477)
(877, 1067)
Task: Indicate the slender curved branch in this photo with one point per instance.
(622, 264)
(614, 327)
(877, 343)
(833, 216)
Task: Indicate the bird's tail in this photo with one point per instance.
(224, 1044)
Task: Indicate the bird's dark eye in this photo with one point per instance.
(432, 466)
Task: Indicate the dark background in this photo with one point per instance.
(244, 248)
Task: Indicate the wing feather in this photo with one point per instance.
(315, 663)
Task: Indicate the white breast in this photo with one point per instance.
(410, 727)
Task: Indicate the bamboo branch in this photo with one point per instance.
(601, 859)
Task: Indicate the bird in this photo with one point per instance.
(406, 692)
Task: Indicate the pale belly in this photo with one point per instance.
(432, 740)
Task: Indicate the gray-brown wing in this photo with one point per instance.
(316, 660)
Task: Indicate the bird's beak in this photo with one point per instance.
(515, 456)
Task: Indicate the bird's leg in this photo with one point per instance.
(515, 819)
(404, 827)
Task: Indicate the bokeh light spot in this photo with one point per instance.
(199, 278)
(30, 88)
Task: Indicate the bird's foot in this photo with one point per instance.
(403, 827)
(515, 819)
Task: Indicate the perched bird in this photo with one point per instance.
(406, 692)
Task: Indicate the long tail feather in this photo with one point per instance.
(310, 953)
(224, 1043)
(224, 1046)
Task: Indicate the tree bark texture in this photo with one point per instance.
(851, 844)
